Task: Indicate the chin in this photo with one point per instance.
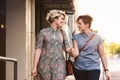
(60, 26)
(80, 30)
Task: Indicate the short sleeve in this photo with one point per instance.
(67, 45)
(73, 37)
(100, 40)
(39, 42)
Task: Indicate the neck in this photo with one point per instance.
(54, 26)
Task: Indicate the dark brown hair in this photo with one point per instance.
(87, 19)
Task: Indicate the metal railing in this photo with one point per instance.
(11, 60)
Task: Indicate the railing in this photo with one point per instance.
(11, 60)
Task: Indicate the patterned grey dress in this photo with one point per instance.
(52, 62)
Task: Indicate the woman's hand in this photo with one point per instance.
(35, 62)
(34, 72)
(107, 75)
(73, 52)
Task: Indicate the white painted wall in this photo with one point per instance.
(15, 37)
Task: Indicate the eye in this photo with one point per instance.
(63, 18)
(79, 23)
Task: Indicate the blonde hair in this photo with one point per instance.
(54, 14)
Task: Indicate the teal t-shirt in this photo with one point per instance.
(88, 58)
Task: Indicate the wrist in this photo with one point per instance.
(106, 70)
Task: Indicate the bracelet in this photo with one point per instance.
(106, 70)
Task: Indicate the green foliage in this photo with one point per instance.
(114, 48)
(118, 50)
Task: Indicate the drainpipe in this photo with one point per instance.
(70, 25)
(30, 36)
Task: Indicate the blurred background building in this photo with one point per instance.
(20, 21)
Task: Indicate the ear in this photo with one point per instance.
(87, 25)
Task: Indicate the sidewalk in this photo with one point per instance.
(114, 68)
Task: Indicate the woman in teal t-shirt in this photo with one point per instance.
(87, 63)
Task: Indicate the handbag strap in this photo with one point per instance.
(64, 44)
(91, 37)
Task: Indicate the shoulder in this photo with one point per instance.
(45, 30)
(77, 35)
(63, 31)
(98, 36)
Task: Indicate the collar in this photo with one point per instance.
(89, 34)
(53, 30)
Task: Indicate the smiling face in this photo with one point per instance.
(60, 21)
(81, 25)
(84, 22)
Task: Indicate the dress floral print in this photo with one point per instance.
(51, 64)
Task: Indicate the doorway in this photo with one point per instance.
(2, 37)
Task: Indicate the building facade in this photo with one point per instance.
(20, 21)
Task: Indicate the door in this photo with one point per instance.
(2, 37)
(2, 52)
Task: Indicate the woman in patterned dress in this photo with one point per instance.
(49, 62)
